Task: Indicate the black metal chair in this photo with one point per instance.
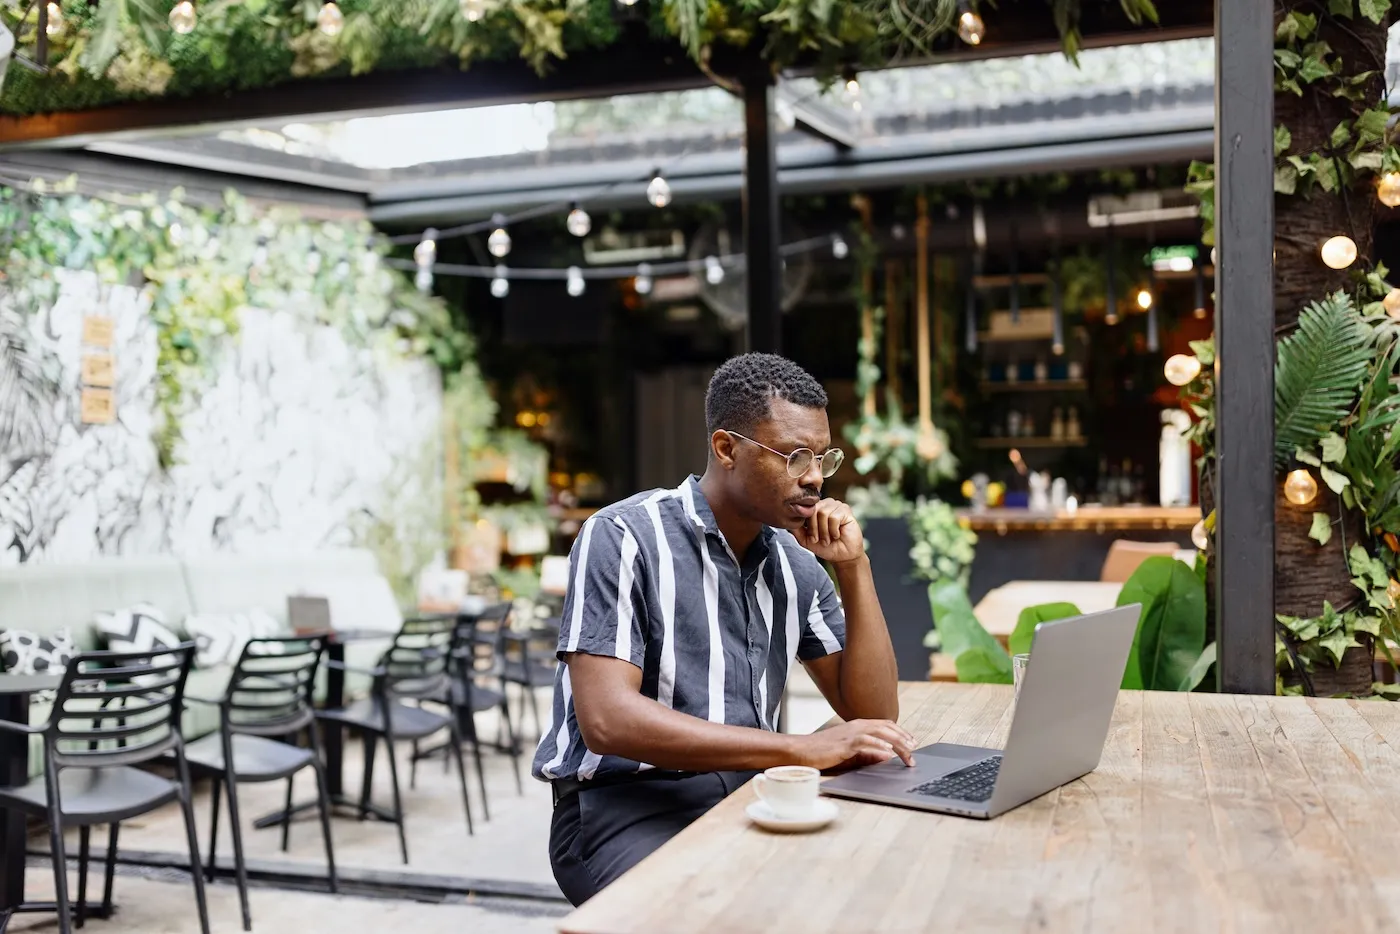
(268, 700)
(113, 711)
(417, 667)
(530, 667)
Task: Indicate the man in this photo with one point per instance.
(684, 613)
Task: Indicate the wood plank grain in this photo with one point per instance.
(1206, 813)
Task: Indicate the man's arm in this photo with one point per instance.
(616, 719)
(863, 679)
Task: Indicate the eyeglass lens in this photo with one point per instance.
(800, 461)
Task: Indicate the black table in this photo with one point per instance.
(15, 691)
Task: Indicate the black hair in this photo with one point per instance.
(743, 388)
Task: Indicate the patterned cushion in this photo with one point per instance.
(28, 653)
(219, 637)
(140, 628)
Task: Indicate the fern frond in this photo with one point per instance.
(1318, 373)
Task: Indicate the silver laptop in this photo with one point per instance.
(1058, 729)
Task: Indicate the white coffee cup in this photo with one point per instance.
(790, 791)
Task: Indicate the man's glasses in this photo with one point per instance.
(800, 461)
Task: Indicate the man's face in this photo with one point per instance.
(770, 495)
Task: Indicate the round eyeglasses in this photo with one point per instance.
(800, 461)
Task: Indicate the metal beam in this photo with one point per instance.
(1245, 486)
(762, 221)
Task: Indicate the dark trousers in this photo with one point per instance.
(597, 834)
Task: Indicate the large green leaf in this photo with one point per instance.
(1172, 628)
(1198, 671)
(976, 652)
(1319, 372)
(1031, 617)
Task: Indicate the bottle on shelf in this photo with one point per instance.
(1057, 424)
(1042, 370)
(1072, 427)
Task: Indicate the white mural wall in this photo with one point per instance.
(297, 438)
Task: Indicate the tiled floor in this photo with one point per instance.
(508, 850)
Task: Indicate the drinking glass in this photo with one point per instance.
(1019, 664)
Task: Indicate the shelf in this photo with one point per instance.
(987, 337)
(1052, 385)
(1002, 282)
(1008, 443)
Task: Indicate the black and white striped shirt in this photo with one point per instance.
(652, 581)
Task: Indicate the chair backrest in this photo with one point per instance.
(484, 633)
(418, 664)
(270, 690)
(118, 708)
(1124, 556)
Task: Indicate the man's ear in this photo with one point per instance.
(722, 445)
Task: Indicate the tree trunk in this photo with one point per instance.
(1306, 574)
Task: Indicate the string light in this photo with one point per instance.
(330, 20)
(54, 14)
(1387, 188)
(1199, 536)
(1057, 312)
(1299, 488)
(1181, 368)
(1392, 303)
(839, 247)
(423, 279)
(853, 90)
(578, 221)
(643, 281)
(575, 281)
(659, 190)
(1339, 252)
(499, 241)
(1144, 299)
(971, 29)
(425, 253)
(500, 285)
(183, 17)
(473, 10)
(627, 2)
(714, 272)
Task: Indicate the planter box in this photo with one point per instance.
(903, 597)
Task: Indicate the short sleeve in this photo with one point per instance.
(604, 605)
(824, 629)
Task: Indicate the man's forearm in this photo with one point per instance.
(869, 674)
(643, 730)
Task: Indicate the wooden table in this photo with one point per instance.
(1208, 813)
(999, 610)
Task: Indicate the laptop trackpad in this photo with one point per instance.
(929, 763)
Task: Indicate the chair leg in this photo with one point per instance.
(324, 799)
(84, 850)
(529, 690)
(111, 869)
(462, 776)
(413, 768)
(514, 744)
(287, 824)
(187, 805)
(480, 770)
(367, 782)
(60, 856)
(398, 802)
(240, 867)
(214, 794)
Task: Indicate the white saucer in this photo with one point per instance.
(823, 812)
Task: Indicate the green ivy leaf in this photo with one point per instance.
(1283, 138)
(1341, 134)
(1321, 531)
(1368, 624)
(1367, 161)
(1204, 351)
(1375, 10)
(1341, 7)
(1285, 179)
(1336, 482)
(1334, 448)
(1370, 126)
(1313, 69)
(1326, 172)
(1296, 26)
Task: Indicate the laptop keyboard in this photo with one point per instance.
(972, 783)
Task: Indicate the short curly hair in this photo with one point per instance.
(743, 388)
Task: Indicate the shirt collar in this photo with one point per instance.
(698, 508)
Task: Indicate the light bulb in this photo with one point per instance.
(839, 247)
(578, 222)
(499, 241)
(659, 191)
(473, 10)
(1110, 317)
(714, 272)
(54, 14)
(1300, 488)
(627, 2)
(643, 280)
(183, 17)
(500, 285)
(1144, 299)
(971, 29)
(425, 253)
(1199, 536)
(1181, 368)
(1057, 349)
(1199, 314)
(1387, 188)
(423, 279)
(853, 87)
(575, 281)
(1339, 252)
(1392, 303)
(330, 20)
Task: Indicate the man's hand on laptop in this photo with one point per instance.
(859, 742)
